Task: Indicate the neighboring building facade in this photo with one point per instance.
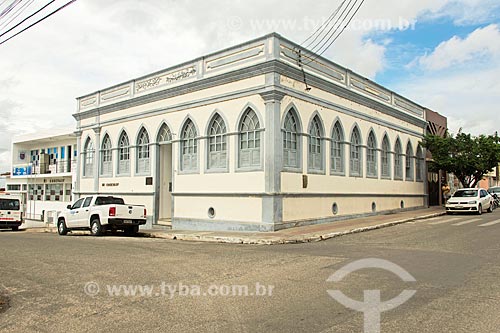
(237, 140)
(44, 171)
(436, 125)
(490, 179)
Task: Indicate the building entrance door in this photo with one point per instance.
(165, 202)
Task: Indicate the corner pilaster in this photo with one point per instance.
(272, 203)
(77, 174)
(97, 158)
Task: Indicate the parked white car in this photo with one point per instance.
(11, 211)
(99, 213)
(472, 200)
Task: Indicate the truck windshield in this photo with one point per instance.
(9, 204)
(108, 201)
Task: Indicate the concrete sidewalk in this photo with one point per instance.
(312, 233)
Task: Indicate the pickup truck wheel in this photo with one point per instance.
(131, 231)
(61, 228)
(96, 228)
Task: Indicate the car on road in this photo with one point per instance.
(11, 212)
(470, 200)
(99, 214)
(494, 189)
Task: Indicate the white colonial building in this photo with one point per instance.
(44, 171)
(260, 136)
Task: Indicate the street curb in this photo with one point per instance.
(271, 240)
(277, 240)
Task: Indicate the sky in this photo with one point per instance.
(442, 54)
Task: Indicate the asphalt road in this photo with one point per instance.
(62, 284)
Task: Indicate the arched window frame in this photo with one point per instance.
(249, 141)
(217, 144)
(371, 156)
(355, 153)
(316, 151)
(419, 166)
(398, 160)
(106, 157)
(164, 134)
(123, 167)
(292, 141)
(386, 171)
(189, 147)
(409, 163)
(337, 150)
(88, 158)
(143, 164)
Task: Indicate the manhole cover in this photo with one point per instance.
(4, 303)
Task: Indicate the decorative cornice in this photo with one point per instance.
(271, 66)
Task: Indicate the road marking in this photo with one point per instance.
(446, 221)
(435, 219)
(489, 223)
(466, 222)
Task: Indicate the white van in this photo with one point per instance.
(11, 211)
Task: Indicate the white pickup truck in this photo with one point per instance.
(99, 213)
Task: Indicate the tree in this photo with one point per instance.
(469, 158)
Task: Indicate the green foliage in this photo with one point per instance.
(466, 156)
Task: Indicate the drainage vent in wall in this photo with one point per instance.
(335, 208)
(374, 207)
(211, 212)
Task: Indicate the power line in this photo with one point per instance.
(35, 23)
(323, 26)
(335, 26)
(27, 18)
(17, 13)
(343, 29)
(9, 8)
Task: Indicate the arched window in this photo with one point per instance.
(164, 135)
(217, 143)
(88, 158)
(398, 160)
(249, 140)
(106, 157)
(371, 156)
(291, 141)
(337, 149)
(189, 147)
(355, 153)
(409, 162)
(315, 145)
(142, 155)
(419, 166)
(123, 154)
(386, 158)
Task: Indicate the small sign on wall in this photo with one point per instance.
(22, 155)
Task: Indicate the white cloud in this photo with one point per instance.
(481, 45)
(460, 80)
